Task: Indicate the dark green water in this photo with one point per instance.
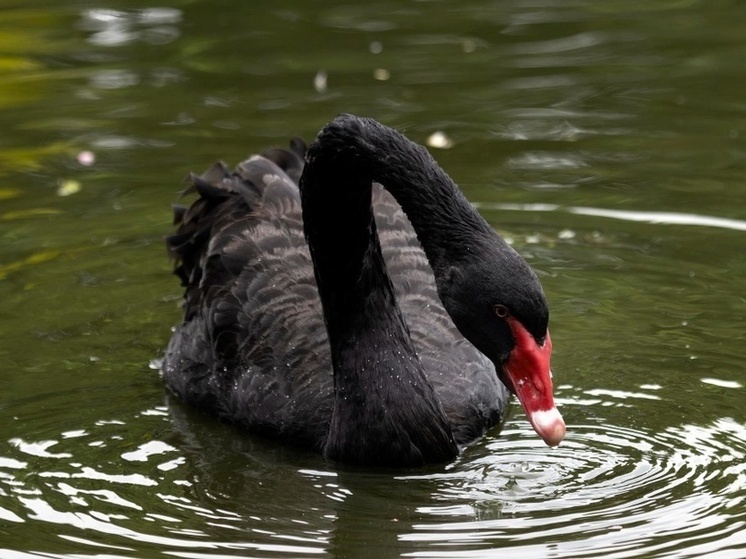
(606, 139)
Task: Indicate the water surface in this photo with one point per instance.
(605, 140)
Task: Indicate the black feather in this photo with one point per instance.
(377, 374)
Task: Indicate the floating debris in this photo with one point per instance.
(319, 81)
(469, 45)
(86, 158)
(439, 140)
(68, 187)
(381, 74)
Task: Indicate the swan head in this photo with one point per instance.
(498, 304)
(527, 374)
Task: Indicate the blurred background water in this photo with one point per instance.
(605, 139)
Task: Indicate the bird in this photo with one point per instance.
(346, 297)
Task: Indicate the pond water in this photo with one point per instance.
(606, 140)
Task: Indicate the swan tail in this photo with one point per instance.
(227, 197)
(222, 233)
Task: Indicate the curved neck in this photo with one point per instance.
(381, 392)
(352, 152)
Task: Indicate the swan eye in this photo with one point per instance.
(501, 311)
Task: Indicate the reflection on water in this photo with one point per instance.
(607, 490)
(604, 139)
(109, 28)
(663, 218)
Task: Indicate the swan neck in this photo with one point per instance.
(350, 153)
(385, 407)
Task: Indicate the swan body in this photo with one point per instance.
(349, 299)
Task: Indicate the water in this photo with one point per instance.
(604, 139)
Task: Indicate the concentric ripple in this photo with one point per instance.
(199, 489)
(607, 491)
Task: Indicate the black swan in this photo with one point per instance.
(350, 299)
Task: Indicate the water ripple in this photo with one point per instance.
(608, 491)
(653, 217)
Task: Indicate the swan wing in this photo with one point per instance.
(463, 378)
(252, 347)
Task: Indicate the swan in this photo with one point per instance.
(348, 298)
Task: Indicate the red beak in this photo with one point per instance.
(526, 373)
